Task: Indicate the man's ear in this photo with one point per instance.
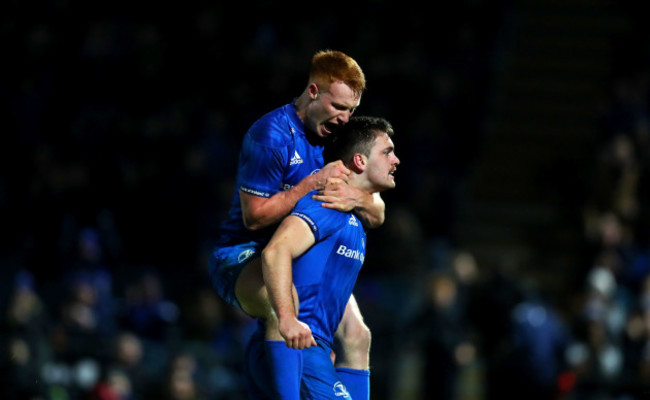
(360, 162)
(313, 91)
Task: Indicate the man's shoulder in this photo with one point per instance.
(306, 201)
(273, 129)
(308, 206)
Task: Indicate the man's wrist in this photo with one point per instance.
(309, 183)
(363, 201)
(286, 316)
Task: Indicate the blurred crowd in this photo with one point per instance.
(498, 333)
(124, 128)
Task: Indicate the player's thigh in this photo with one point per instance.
(251, 291)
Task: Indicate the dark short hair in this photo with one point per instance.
(357, 136)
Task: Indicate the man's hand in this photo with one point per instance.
(333, 170)
(296, 334)
(259, 212)
(339, 196)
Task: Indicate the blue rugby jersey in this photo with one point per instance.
(325, 275)
(275, 156)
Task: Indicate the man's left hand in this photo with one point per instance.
(339, 196)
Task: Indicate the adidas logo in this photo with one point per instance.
(295, 159)
(353, 221)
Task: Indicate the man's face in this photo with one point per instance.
(382, 163)
(331, 109)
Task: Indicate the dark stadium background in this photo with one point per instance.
(522, 197)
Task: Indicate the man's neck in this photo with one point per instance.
(300, 104)
(358, 181)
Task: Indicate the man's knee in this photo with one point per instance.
(353, 336)
(352, 346)
(356, 336)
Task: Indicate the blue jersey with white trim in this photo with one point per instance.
(325, 275)
(276, 155)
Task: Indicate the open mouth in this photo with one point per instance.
(330, 127)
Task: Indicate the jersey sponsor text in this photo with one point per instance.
(349, 253)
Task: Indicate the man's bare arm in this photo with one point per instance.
(292, 238)
(260, 212)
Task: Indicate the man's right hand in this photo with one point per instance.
(335, 169)
(296, 334)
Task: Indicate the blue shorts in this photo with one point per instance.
(225, 265)
(319, 378)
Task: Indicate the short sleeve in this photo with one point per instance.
(262, 163)
(322, 221)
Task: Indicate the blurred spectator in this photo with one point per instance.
(19, 371)
(634, 345)
(27, 317)
(130, 370)
(77, 345)
(79, 327)
(440, 330)
(24, 340)
(225, 331)
(146, 310)
(595, 354)
(615, 179)
(539, 341)
(181, 380)
(490, 311)
(115, 385)
(216, 336)
(465, 269)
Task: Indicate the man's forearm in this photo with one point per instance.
(259, 213)
(277, 274)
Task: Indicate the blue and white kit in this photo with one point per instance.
(324, 278)
(276, 155)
